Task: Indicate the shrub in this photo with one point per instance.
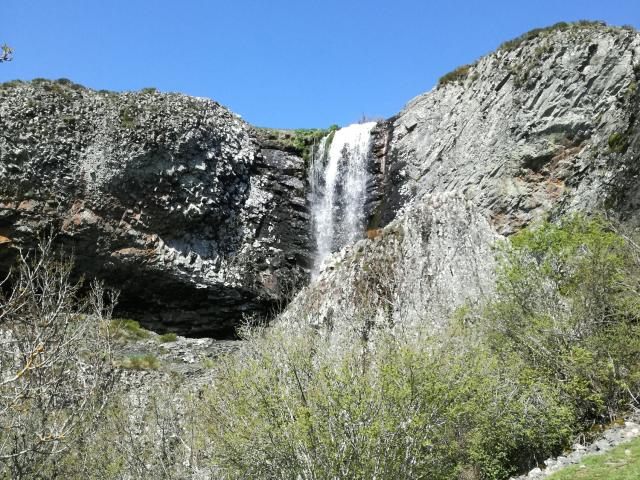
(618, 142)
(128, 116)
(11, 84)
(503, 387)
(459, 75)
(567, 306)
(168, 337)
(144, 433)
(299, 142)
(127, 329)
(55, 363)
(390, 408)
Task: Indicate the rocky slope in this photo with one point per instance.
(547, 123)
(174, 200)
(166, 197)
(416, 271)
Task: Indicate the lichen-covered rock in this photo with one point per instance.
(167, 197)
(546, 125)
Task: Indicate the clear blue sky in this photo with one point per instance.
(293, 63)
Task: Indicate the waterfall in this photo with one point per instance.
(338, 179)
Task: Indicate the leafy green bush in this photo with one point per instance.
(390, 408)
(568, 307)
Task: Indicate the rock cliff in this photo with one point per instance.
(416, 271)
(199, 218)
(546, 124)
(167, 197)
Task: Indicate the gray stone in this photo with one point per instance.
(522, 149)
(414, 272)
(166, 197)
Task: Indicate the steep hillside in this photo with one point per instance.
(547, 123)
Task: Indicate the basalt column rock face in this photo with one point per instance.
(544, 125)
(167, 197)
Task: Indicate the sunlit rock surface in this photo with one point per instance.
(164, 196)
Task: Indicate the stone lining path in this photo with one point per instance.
(611, 438)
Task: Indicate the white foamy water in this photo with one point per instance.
(338, 178)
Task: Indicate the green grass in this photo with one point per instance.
(539, 32)
(168, 337)
(459, 75)
(299, 141)
(128, 329)
(140, 362)
(620, 463)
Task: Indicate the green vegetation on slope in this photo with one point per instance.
(556, 27)
(460, 74)
(299, 142)
(556, 350)
(620, 463)
(502, 386)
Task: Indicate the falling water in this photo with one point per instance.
(338, 178)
